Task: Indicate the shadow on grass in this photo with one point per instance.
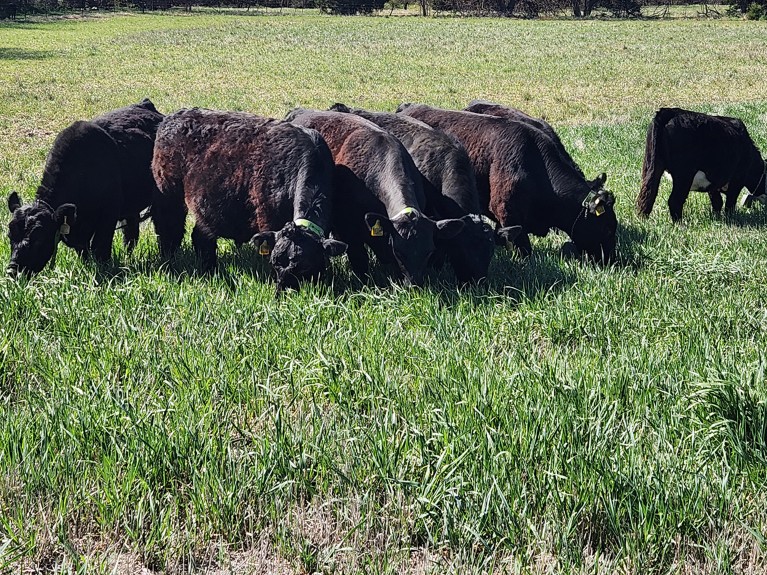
(630, 239)
(19, 54)
(755, 217)
(232, 265)
(509, 276)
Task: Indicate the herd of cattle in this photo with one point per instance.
(418, 187)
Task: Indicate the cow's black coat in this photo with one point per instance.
(493, 109)
(523, 180)
(684, 144)
(450, 188)
(378, 188)
(96, 174)
(246, 177)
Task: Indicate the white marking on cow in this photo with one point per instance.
(749, 199)
(700, 182)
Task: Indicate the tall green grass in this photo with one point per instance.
(561, 418)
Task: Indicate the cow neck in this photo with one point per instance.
(309, 216)
(407, 210)
(564, 177)
(761, 181)
(56, 240)
(311, 226)
(581, 214)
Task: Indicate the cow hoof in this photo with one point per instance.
(570, 250)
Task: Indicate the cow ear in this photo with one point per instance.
(14, 202)
(377, 224)
(333, 247)
(508, 234)
(264, 241)
(447, 229)
(339, 107)
(65, 214)
(598, 182)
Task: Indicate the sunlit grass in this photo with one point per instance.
(562, 417)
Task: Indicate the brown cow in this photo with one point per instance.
(380, 196)
(246, 177)
(523, 180)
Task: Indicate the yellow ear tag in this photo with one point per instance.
(64, 229)
(377, 230)
(599, 210)
(263, 249)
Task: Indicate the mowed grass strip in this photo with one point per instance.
(563, 416)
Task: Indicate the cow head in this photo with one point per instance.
(472, 249)
(34, 232)
(297, 252)
(595, 226)
(411, 237)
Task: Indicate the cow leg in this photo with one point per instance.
(169, 218)
(716, 201)
(731, 197)
(204, 249)
(101, 244)
(130, 232)
(523, 245)
(358, 259)
(679, 193)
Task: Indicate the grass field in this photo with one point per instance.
(562, 418)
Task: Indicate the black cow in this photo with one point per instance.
(96, 174)
(246, 178)
(380, 198)
(522, 180)
(712, 154)
(493, 109)
(450, 188)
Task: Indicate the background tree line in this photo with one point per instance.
(753, 9)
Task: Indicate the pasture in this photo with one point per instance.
(561, 418)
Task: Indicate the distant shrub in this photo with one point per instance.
(350, 6)
(756, 12)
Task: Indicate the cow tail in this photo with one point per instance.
(653, 167)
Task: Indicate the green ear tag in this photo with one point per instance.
(64, 229)
(263, 249)
(377, 230)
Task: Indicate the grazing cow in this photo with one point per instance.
(522, 180)
(96, 174)
(704, 153)
(493, 109)
(246, 177)
(450, 188)
(380, 195)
